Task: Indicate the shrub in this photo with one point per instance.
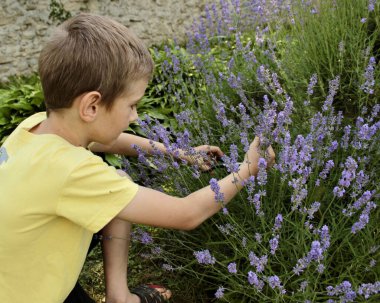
(304, 231)
(20, 97)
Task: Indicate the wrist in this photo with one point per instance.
(247, 169)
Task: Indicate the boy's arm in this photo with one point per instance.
(155, 208)
(123, 146)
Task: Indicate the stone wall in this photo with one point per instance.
(25, 25)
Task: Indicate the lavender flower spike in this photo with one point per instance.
(343, 290)
(204, 257)
(369, 83)
(368, 289)
(277, 223)
(254, 280)
(232, 268)
(220, 292)
(219, 197)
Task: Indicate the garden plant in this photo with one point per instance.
(304, 77)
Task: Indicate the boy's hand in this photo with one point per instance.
(253, 155)
(207, 156)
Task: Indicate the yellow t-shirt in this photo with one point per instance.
(53, 197)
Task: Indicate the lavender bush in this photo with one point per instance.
(306, 230)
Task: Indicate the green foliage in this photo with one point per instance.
(329, 39)
(20, 97)
(174, 74)
(58, 12)
(284, 60)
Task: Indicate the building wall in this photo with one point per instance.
(25, 25)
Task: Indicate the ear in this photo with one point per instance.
(89, 105)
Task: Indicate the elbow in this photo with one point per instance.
(190, 225)
(190, 220)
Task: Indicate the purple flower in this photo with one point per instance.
(142, 236)
(259, 263)
(232, 268)
(320, 268)
(184, 117)
(349, 173)
(219, 108)
(283, 119)
(246, 120)
(258, 237)
(325, 237)
(312, 83)
(262, 174)
(254, 280)
(231, 162)
(366, 132)
(372, 263)
(303, 285)
(262, 75)
(300, 266)
(359, 203)
(277, 86)
(364, 218)
(333, 88)
(298, 196)
(256, 200)
(156, 250)
(374, 249)
(375, 111)
(333, 147)
(226, 229)
(346, 137)
(316, 251)
(204, 257)
(371, 5)
(219, 197)
(273, 243)
(369, 75)
(315, 254)
(343, 290)
(277, 223)
(167, 267)
(328, 166)
(369, 289)
(220, 292)
(274, 282)
(363, 20)
(244, 141)
(312, 210)
(338, 192)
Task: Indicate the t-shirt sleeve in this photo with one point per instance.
(94, 193)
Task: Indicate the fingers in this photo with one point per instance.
(271, 157)
(271, 153)
(215, 150)
(256, 142)
(210, 149)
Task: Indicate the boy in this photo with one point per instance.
(55, 194)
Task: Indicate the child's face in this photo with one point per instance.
(113, 122)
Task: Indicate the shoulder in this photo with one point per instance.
(33, 120)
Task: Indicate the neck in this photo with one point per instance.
(63, 125)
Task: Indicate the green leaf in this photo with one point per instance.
(114, 160)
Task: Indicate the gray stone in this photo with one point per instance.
(25, 24)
